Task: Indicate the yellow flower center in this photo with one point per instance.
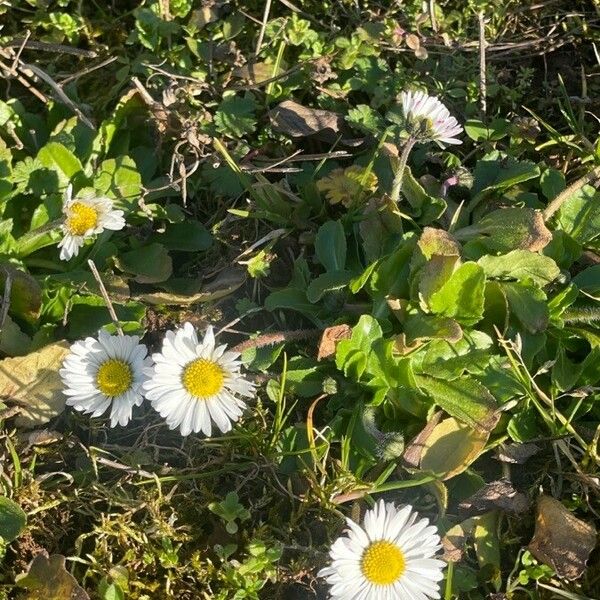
(114, 377)
(382, 563)
(203, 378)
(81, 218)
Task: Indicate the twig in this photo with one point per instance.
(268, 339)
(265, 20)
(24, 82)
(482, 70)
(47, 47)
(568, 192)
(116, 465)
(33, 70)
(5, 298)
(75, 76)
(19, 52)
(104, 293)
(432, 15)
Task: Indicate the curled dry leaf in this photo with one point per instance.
(453, 543)
(561, 540)
(33, 383)
(412, 41)
(299, 121)
(331, 336)
(412, 454)
(495, 495)
(48, 579)
(517, 454)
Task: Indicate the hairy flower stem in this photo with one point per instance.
(399, 176)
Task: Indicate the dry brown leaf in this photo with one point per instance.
(296, 120)
(33, 383)
(257, 72)
(421, 53)
(331, 336)
(495, 495)
(412, 41)
(561, 540)
(412, 454)
(455, 539)
(517, 454)
(48, 579)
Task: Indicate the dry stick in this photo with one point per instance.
(104, 293)
(5, 299)
(32, 70)
(265, 19)
(75, 76)
(24, 82)
(268, 339)
(568, 192)
(482, 71)
(432, 15)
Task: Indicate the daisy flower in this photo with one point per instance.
(194, 384)
(85, 216)
(103, 372)
(428, 119)
(389, 557)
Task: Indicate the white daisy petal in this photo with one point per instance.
(384, 559)
(105, 372)
(194, 385)
(85, 216)
(428, 120)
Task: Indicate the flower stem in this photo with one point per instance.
(399, 176)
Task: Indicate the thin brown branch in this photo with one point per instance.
(568, 192)
(105, 297)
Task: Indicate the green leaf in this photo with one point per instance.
(552, 182)
(519, 265)
(291, 299)
(495, 173)
(88, 314)
(13, 342)
(462, 296)
(235, 116)
(463, 398)
(565, 373)
(579, 215)
(119, 178)
(451, 447)
(426, 208)
(528, 304)
(25, 295)
(149, 264)
(330, 246)
(189, 236)
(588, 280)
(12, 519)
(327, 282)
(364, 335)
(480, 132)
(365, 119)
(507, 229)
(61, 160)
